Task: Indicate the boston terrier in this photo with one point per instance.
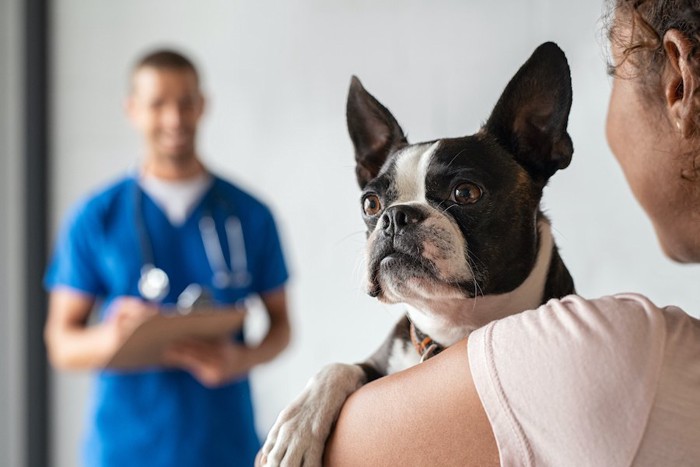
(454, 231)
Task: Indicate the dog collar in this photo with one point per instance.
(424, 344)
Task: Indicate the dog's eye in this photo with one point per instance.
(371, 205)
(466, 193)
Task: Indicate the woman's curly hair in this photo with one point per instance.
(646, 22)
(649, 20)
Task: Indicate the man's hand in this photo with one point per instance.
(213, 363)
(125, 314)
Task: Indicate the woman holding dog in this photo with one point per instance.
(611, 381)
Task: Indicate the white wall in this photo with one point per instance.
(11, 246)
(276, 74)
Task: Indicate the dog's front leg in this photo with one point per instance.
(300, 432)
(299, 435)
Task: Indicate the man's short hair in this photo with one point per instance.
(165, 59)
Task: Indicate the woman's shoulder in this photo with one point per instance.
(627, 330)
(631, 315)
(560, 376)
(624, 320)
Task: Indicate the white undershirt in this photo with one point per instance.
(176, 198)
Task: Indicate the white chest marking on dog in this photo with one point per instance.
(411, 170)
(403, 355)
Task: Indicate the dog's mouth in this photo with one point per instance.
(425, 259)
(395, 268)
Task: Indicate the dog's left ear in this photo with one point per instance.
(531, 116)
(374, 131)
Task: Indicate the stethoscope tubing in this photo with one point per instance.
(154, 282)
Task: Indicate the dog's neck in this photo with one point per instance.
(449, 320)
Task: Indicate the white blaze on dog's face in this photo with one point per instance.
(415, 252)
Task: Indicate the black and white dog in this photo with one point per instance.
(454, 231)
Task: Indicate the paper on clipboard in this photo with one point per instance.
(145, 346)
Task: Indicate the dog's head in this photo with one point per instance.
(457, 217)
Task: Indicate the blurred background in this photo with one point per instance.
(276, 74)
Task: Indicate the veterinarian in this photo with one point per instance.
(132, 249)
(613, 381)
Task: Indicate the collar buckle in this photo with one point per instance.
(424, 344)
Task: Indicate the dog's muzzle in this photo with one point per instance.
(397, 220)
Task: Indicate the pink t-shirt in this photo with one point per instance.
(607, 382)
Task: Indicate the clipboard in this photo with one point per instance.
(145, 346)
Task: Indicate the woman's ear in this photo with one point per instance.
(679, 82)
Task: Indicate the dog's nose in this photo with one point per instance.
(397, 218)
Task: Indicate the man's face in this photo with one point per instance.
(165, 106)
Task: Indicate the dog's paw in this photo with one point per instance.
(299, 435)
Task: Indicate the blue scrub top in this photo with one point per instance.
(164, 418)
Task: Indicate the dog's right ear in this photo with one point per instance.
(531, 116)
(375, 133)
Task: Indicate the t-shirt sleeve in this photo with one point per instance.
(572, 382)
(73, 263)
(271, 268)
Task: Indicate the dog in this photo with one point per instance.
(454, 231)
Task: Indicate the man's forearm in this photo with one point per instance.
(79, 348)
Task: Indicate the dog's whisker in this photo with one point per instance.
(346, 237)
(455, 157)
(448, 208)
(472, 259)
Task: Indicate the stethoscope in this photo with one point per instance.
(154, 283)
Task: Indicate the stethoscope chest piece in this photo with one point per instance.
(154, 284)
